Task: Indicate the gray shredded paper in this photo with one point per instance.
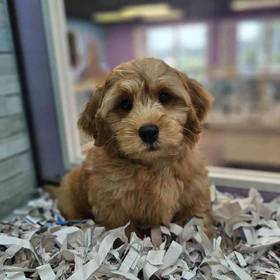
(39, 244)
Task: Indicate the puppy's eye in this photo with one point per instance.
(126, 104)
(164, 97)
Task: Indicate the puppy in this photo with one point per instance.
(145, 119)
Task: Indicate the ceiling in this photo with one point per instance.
(192, 9)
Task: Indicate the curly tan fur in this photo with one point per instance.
(121, 179)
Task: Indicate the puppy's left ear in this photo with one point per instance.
(201, 103)
(200, 98)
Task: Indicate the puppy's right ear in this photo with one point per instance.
(88, 119)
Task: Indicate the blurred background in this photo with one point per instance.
(53, 53)
(231, 46)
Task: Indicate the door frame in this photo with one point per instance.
(35, 74)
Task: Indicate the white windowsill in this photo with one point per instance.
(245, 179)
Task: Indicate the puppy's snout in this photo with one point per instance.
(149, 133)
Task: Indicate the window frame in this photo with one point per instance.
(35, 75)
(55, 25)
(56, 21)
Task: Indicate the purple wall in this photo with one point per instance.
(119, 44)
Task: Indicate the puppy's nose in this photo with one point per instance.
(149, 133)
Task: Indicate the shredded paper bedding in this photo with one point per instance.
(37, 243)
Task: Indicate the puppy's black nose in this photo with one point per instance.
(149, 133)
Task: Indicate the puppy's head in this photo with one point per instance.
(146, 110)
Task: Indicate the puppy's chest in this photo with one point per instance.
(145, 182)
(148, 197)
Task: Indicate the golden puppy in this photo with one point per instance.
(145, 120)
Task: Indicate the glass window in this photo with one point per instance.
(243, 128)
(192, 54)
(237, 60)
(250, 50)
(183, 46)
(258, 44)
(165, 36)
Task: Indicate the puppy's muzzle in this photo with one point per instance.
(149, 133)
